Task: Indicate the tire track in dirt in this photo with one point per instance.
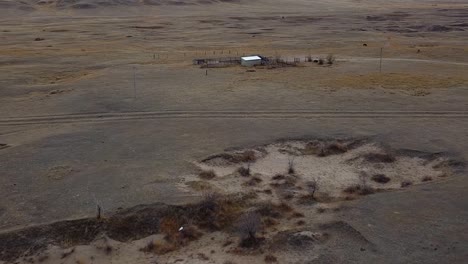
(270, 114)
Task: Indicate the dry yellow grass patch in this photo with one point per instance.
(403, 81)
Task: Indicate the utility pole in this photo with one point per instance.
(381, 52)
(134, 82)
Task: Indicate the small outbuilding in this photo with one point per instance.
(250, 61)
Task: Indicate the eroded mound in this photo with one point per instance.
(324, 170)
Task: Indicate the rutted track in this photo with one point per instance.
(267, 114)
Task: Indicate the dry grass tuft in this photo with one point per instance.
(380, 178)
(359, 189)
(207, 175)
(253, 181)
(379, 158)
(300, 223)
(243, 171)
(406, 184)
(323, 149)
(297, 215)
(426, 179)
(321, 210)
(270, 259)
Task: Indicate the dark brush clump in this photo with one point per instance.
(207, 175)
(380, 178)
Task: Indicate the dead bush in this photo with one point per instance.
(215, 212)
(291, 169)
(169, 226)
(243, 171)
(270, 259)
(311, 187)
(233, 158)
(247, 227)
(426, 179)
(359, 189)
(324, 149)
(283, 181)
(380, 178)
(300, 222)
(297, 215)
(306, 199)
(269, 222)
(269, 210)
(253, 181)
(207, 175)
(330, 59)
(406, 184)
(321, 210)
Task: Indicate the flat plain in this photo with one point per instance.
(102, 107)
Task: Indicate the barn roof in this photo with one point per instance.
(250, 58)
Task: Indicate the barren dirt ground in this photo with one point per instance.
(100, 105)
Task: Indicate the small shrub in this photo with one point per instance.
(243, 171)
(207, 175)
(312, 187)
(330, 59)
(285, 207)
(247, 227)
(406, 184)
(278, 177)
(320, 61)
(380, 178)
(306, 199)
(270, 259)
(269, 210)
(359, 189)
(202, 256)
(300, 222)
(426, 179)
(248, 156)
(227, 243)
(291, 169)
(297, 215)
(321, 210)
(268, 222)
(253, 181)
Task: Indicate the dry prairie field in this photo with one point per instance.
(131, 133)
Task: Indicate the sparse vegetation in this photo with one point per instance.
(233, 158)
(362, 188)
(324, 149)
(207, 175)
